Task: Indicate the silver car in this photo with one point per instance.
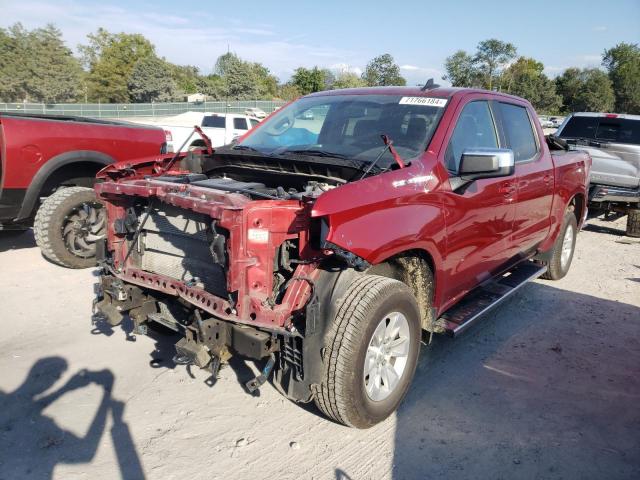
(613, 141)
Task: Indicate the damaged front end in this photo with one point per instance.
(211, 260)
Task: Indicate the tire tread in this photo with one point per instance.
(45, 216)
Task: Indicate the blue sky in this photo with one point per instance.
(346, 34)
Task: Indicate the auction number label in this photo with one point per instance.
(426, 101)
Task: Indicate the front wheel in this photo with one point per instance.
(563, 249)
(67, 226)
(371, 352)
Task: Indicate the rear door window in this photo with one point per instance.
(474, 129)
(214, 121)
(518, 131)
(239, 124)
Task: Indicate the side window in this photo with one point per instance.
(253, 122)
(239, 124)
(519, 132)
(214, 121)
(474, 129)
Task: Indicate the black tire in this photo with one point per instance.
(556, 269)
(341, 395)
(60, 212)
(633, 222)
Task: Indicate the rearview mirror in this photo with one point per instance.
(486, 163)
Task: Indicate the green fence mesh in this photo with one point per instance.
(124, 110)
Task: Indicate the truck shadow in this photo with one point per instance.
(16, 240)
(32, 443)
(546, 386)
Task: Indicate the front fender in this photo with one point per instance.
(380, 216)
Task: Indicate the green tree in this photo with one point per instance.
(461, 70)
(15, 53)
(186, 78)
(525, 79)
(110, 59)
(37, 66)
(623, 64)
(348, 80)
(309, 80)
(383, 71)
(288, 92)
(491, 56)
(329, 79)
(267, 84)
(589, 89)
(150, 81)
(212, 86)
(244, 80)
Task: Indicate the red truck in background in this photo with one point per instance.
(48, 166)
(327, 240)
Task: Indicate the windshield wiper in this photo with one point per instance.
(388, 145)
(315, 153)
(245, 147)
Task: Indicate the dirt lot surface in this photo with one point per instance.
(547, 386)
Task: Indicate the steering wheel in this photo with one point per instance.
(372, 139)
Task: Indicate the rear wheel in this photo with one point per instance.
(371, 354)
(563, 248)
(67, 225)
(633, 222)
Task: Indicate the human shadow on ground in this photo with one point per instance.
(545, 386)
(16, 240)
(32, 444)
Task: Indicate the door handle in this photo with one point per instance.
(547, 178)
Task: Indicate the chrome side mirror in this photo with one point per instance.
(486, 163)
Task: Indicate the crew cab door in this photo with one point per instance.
(239, 126)
(534, 175)
(479, 218)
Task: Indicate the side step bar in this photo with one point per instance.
(482, 299)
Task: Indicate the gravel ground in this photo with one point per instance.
(547, 386)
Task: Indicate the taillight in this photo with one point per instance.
(167, 135)
(611, 115)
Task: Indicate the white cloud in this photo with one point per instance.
(345, 68)
(409, 67)
(182, 38)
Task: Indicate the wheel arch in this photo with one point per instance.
(579, 203)
(417, 269)
(86, 162)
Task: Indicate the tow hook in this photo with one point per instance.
(256, 383)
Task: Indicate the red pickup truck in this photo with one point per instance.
(48, 165)
(330, 238)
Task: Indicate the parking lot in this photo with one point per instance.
(547, 386)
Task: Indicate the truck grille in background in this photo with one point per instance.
(175, 244)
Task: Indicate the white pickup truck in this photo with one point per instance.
(221, 128)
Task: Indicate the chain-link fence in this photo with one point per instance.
(124, 110)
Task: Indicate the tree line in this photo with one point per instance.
(495, 65)
(37, 66)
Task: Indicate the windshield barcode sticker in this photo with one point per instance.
(426, 101)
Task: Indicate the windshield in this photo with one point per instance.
(611, 129)
(349, 126)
